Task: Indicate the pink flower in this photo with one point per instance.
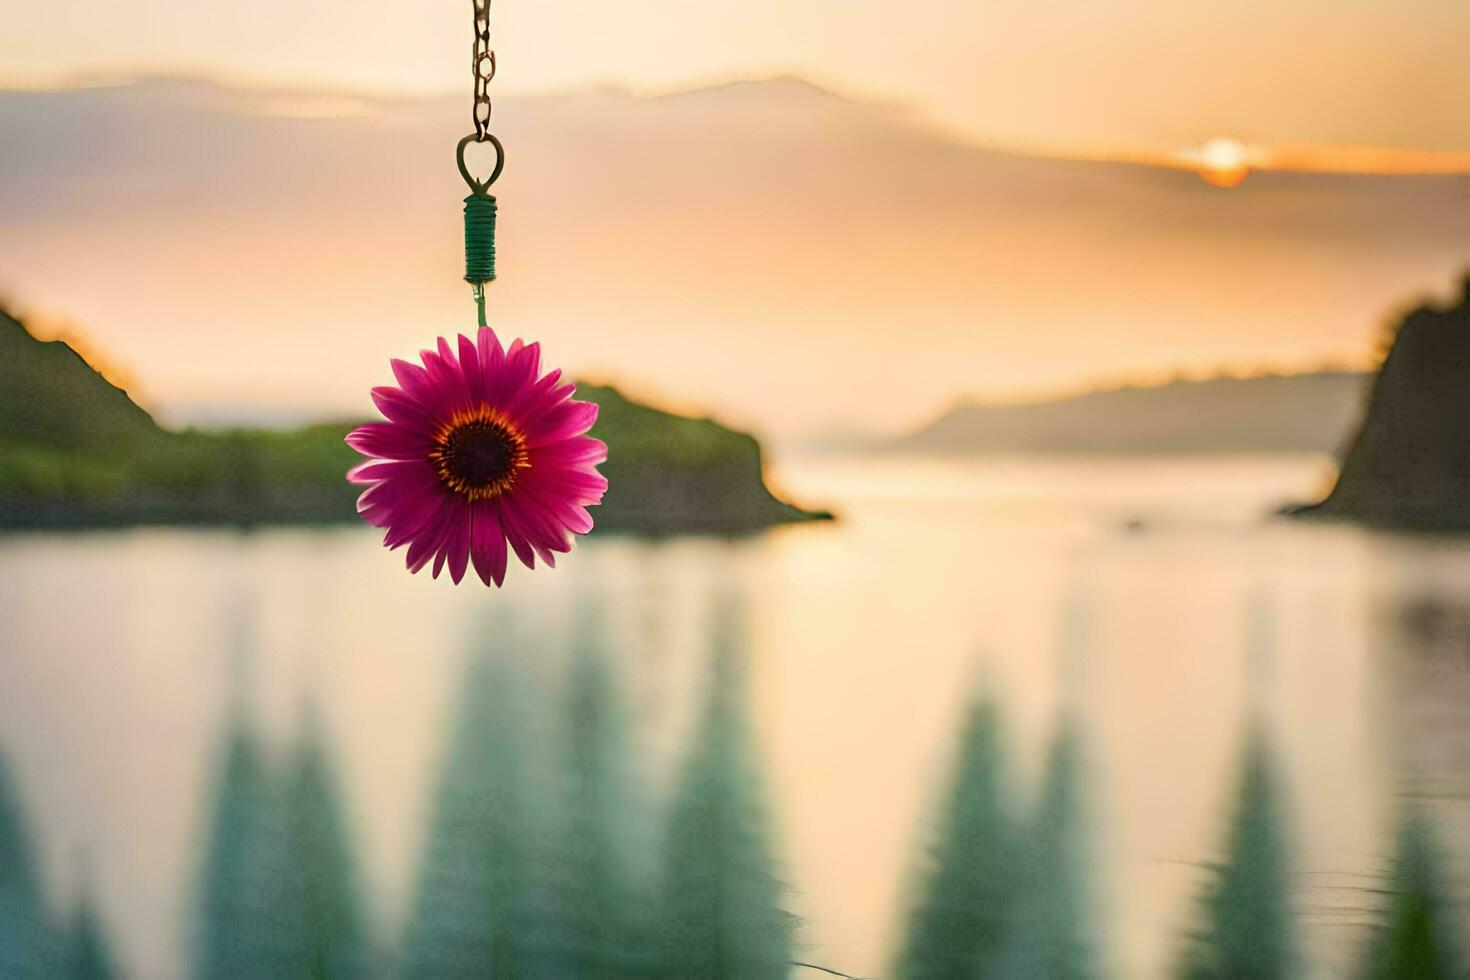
(479, 451)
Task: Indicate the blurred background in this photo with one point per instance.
(1035, 544)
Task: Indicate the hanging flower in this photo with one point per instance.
(479, 451)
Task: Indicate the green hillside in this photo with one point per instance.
(76, 451)
(52, 398)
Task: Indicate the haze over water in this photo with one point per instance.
(1146, 600)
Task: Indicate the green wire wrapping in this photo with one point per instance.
(479, 238)
(479, 220)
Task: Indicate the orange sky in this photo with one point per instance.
(788, 258)
(792, 258)
(1095, 77)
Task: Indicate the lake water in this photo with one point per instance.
(1147, 600)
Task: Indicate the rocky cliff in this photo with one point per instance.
(1408, 466)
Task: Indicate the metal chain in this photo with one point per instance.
(483, 66)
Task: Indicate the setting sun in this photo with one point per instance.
(1223, 162)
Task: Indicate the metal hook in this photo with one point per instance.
(478, 186)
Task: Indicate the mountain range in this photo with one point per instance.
(1310, 413)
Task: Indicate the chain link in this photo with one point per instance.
(483, 66)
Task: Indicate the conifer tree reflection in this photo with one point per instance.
(605, 862)
(326, 919)
(1416, 936)
(27, 945)
(1246, 927)
(244, 923)
(963, 922)
(88, 955)
(1058, 938)
(721, 907)
(486, 901)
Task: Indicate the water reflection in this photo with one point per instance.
(1246, 926)
(965, 914)
(607, 823)
(485, 900)
(694, 758)
(1417, 933)
(27, 947)
(1058, 938)
(539, 860)
(88, 951)
(722, 903)
(278, 893)
(30, 944)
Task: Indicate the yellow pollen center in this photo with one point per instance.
(479, 455)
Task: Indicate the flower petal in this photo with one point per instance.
(492, 363)
(503, 385)
(416, 384)
(545, 533)
(526, 358)
(447, 379)
(407, 523)
(386, 440)
(515, 535)
(379, 470)
(428, 541)
(574, 518)
(536, 399)
(400, 408)
(571, 418)
(458, 542)
(487, 544)
(572, 486)
(489, 345)
(469, 366)
(569, 452)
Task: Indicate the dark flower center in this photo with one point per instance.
(479, 456)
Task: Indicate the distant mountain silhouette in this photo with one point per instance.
(75, 450)
(1408, 466)
(1276, 413)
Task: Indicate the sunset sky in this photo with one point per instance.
(1115, 75)
(831, 244)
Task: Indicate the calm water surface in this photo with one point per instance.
(1146, 598)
